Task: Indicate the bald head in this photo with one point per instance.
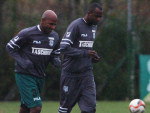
(49, 14)
(48, 21)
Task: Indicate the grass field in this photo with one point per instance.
(51, 107)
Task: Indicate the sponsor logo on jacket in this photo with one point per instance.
(51, 41)
(16, 38)
(94, 32)
(41, 51)
(37, 98)
(36, 42)
(68, 34)
(65, 88)
(86, 43)
(84, 35)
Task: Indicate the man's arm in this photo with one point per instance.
(67, 41)
(14, 47)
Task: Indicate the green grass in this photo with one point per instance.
(51, 107)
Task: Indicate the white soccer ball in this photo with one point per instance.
(137, 106)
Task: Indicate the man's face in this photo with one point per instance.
(48, 25)
(95, 17)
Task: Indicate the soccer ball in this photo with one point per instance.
(137, 106)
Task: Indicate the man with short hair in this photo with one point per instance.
(33, 48)
(77, 80)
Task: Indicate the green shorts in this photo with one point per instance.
(30, 89)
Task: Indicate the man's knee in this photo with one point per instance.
(35, 110)
(24, 109)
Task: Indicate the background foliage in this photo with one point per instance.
(111, 74)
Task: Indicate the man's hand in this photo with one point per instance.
(94, 55)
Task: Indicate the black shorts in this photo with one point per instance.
(79, 90)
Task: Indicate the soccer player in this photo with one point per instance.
(33, 48)
(77, 81)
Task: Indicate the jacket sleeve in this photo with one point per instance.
(14, 48)
(55, 59)
(68, 40)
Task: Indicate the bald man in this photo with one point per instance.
(33, 48)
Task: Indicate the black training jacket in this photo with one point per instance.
(32, 50)
(78, 39)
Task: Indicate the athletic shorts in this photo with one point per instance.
(79, 90)
(29, 88)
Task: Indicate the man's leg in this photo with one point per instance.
(29, 89)
(24, 109)
(69, 93)
(87, 101)
(35, 110)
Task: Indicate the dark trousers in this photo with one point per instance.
(79, 90)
